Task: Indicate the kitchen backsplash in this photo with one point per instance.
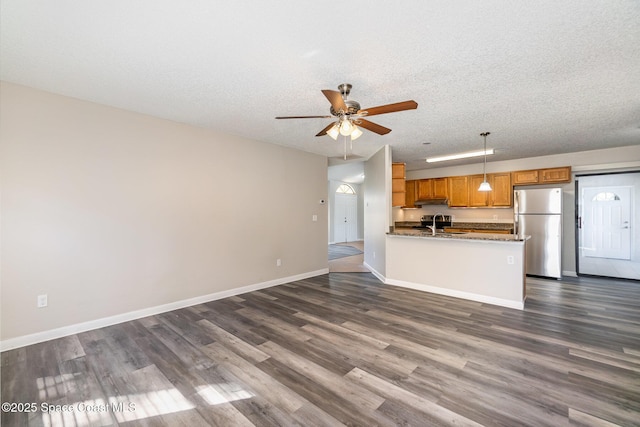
(458, 215)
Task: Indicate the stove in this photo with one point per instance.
(426, 221)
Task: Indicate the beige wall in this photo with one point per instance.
(108, 211)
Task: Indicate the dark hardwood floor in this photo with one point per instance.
(343, 349)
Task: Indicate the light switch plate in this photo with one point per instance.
(42, 301)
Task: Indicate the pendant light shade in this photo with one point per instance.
(485, 186)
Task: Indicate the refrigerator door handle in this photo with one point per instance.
(516, 208)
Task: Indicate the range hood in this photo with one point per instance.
(421, 202)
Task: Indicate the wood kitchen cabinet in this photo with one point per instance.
(555, 175)
(478, 199)
(425, 189)
(502, 190)
(542, 176)
(500, 194)
(440, 188)
(411, 193)
(458, 191)
(432, 188)
(477, 230)
(397, 170)
(525, 177)
(398, 184)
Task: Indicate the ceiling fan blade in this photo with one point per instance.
(389, 108)
(304, 117)
(335, 98)
(373, 127)
(325, 130)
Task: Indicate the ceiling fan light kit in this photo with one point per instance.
(349, 115)
(334, 131)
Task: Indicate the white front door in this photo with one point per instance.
(345, 218)
(606, 222)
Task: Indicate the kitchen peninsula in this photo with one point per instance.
(482, 267)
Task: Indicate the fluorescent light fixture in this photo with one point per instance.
(460, 156)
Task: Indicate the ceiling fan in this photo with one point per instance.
(350, 115)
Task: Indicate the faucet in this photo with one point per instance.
(433, 227)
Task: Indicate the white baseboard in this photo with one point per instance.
(457, 294)
(569, 273)
(64, 331)
(375, 272)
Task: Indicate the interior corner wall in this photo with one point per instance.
(377, 209)
(109, 212)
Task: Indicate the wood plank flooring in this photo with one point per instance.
(343, 349)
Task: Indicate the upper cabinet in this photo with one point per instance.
(499, 196)
(525, 177)
(432, 188)
(398, 184)
(458, 191)
(411, 193)
(462, 191)
(440, 188)
(555, 175)
(542, 176)
(502, 190)
(478, 199)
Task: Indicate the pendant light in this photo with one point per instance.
(485, 186)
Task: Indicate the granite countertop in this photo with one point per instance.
(471, 225)
(483, 225)
(460, 236)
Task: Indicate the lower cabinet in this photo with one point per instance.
(477, 230)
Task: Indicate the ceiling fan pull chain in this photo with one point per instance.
(345, 147)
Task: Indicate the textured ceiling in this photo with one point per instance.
(543, 77)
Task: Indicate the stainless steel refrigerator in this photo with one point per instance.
(538, 213)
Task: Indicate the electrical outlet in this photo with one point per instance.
(42, 301)
(495, 217)
(374, 255)
(314, 218)
(510, 259)
(278, 262)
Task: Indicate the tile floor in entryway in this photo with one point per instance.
(350, 264)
